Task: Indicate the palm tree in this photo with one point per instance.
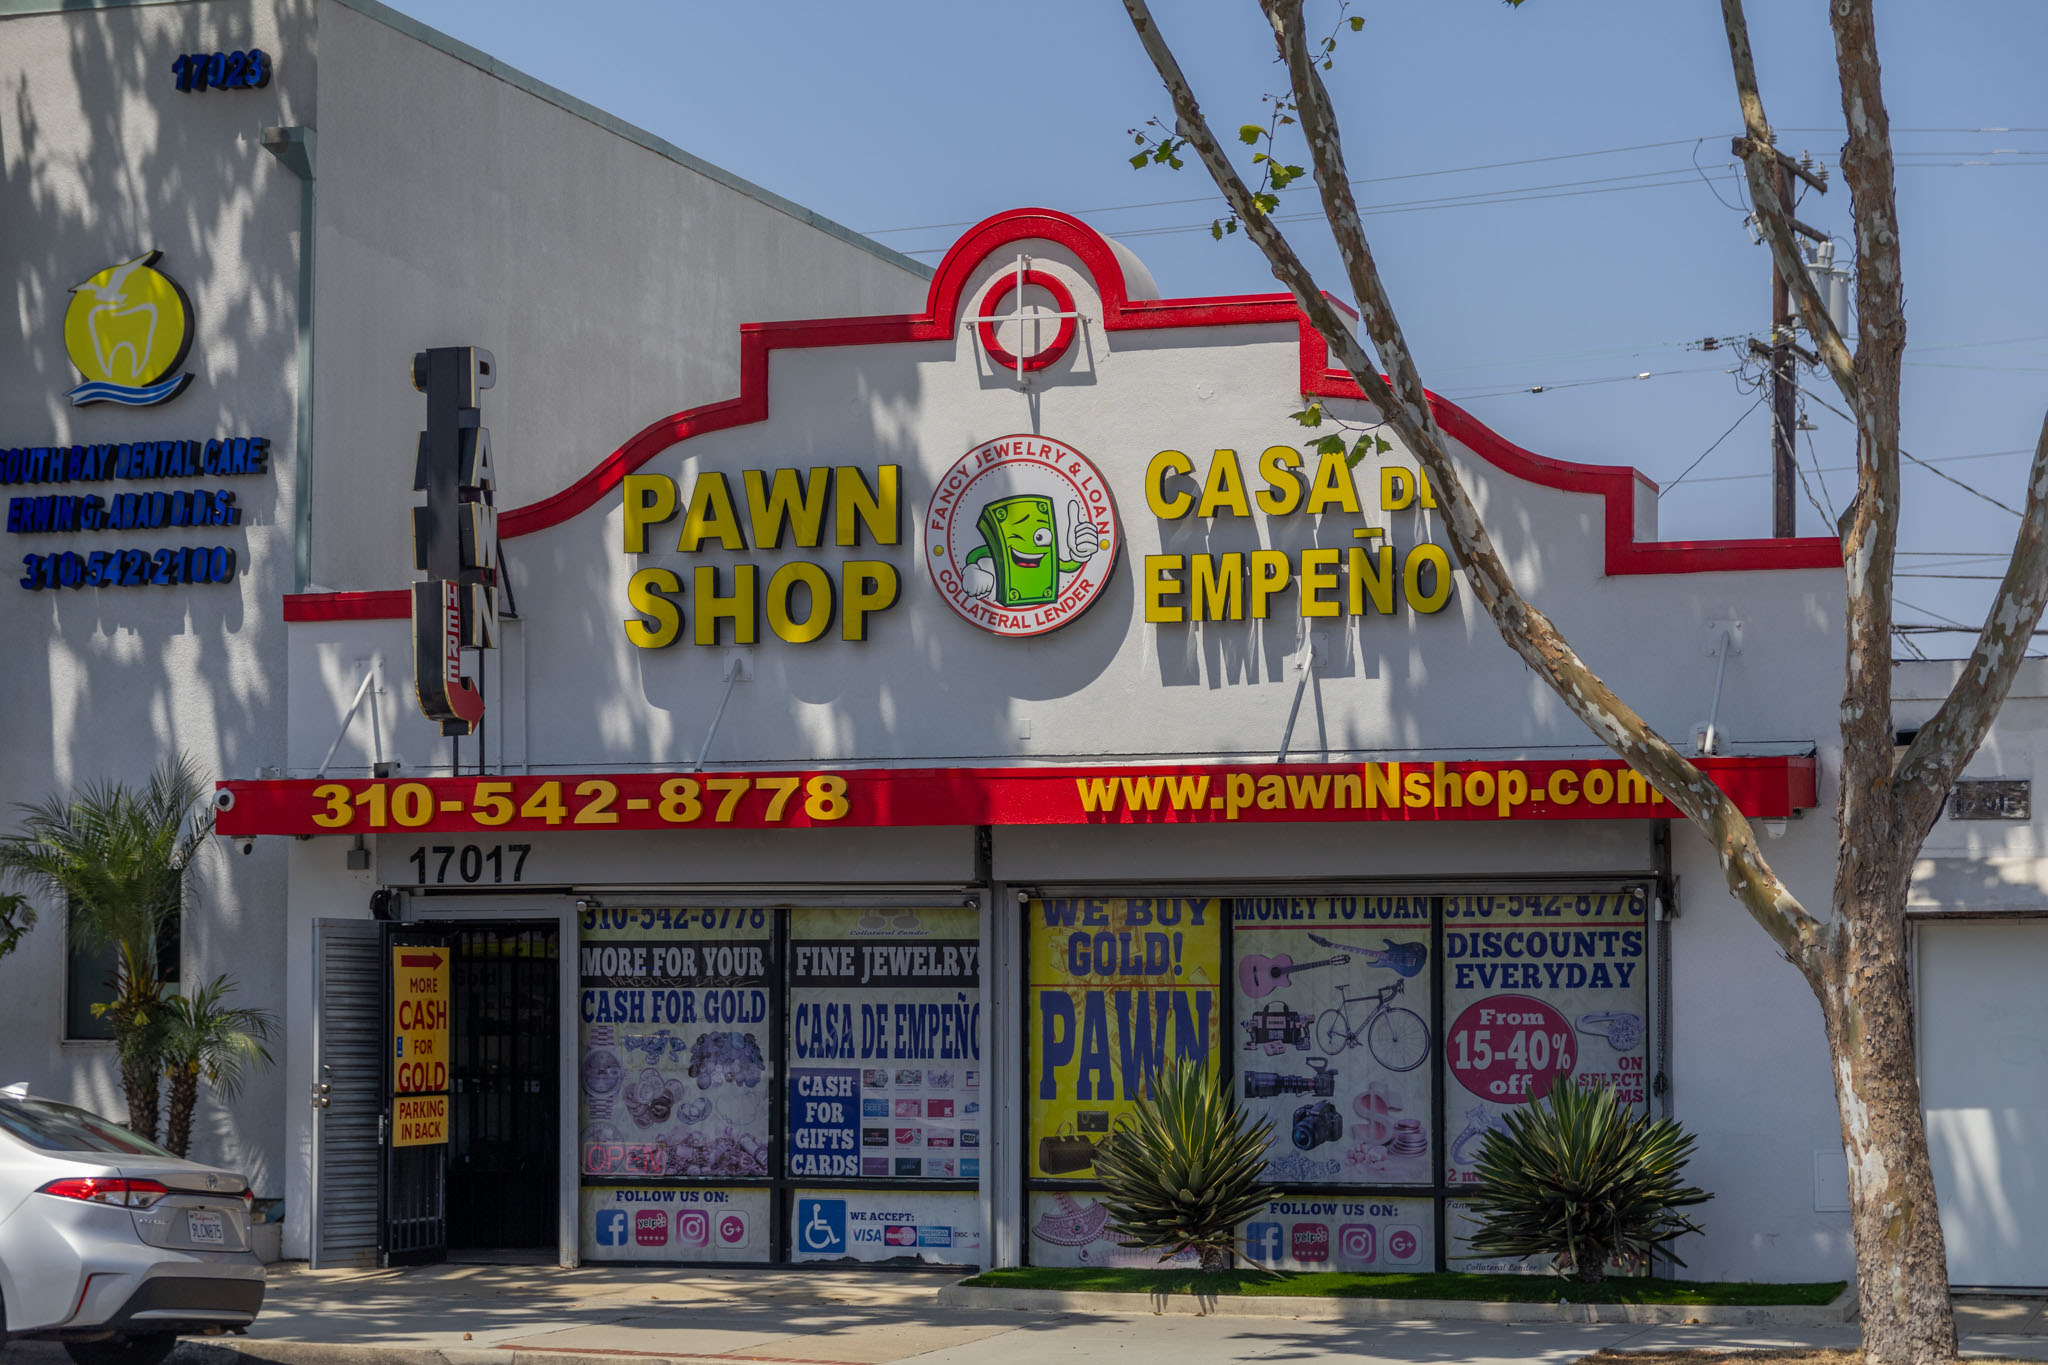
(204, 1037)
(118, 857)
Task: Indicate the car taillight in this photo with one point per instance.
(117, 1190)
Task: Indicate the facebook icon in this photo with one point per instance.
(611, 1227)
(1262, 1241)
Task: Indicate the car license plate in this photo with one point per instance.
(206, 1229)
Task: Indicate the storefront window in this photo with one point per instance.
(677, 1073)
(1539, 988)
(885, 1073)
(1333, 1008)
(1118, 988)
(782, 1084)
(1382, 1036)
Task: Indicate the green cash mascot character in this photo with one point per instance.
(1018, 564)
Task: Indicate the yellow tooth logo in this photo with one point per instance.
(127, 331)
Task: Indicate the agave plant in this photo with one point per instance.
(204, 1037)
(1185, 1172)
(1585, 1180)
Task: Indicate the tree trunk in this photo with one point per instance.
(184, 1100)
(139, 1087)
(1865, 994)
(1215, 1259)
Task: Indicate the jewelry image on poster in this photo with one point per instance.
(885, 1043)
(676, 1076)
(1119, 987)
(1539, 990)
(1333, 1038)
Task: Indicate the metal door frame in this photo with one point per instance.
(545, 908)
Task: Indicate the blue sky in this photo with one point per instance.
(1600, 256)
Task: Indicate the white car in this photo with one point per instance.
(110, 1244)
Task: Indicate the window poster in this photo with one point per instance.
(1333, 1037)
(671, 1223)
(933, 1226)
(1297, 1232)
(1071, 1228)
(676, 1072)
(885, 1045)
(1538, 989)
(1119, 986)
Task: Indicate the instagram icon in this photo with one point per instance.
(1358, 1244)
(693, 1228)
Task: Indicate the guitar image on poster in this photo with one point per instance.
(1259, 976)
(1406, 958)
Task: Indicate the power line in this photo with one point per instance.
(1585, 383)
(1710, 449)
(1907, 454)
(1414, 206)
(1850, 468)
(1361, 180)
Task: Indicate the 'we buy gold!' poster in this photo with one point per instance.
(1119, 988)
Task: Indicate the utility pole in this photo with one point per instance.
(1783, 350)
(1784, 388)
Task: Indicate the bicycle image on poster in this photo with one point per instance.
(1332, 1035)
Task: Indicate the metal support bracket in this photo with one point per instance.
(739, 667)
(1723, 638)
(377, 744)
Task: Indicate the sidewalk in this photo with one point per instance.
(503, 1315)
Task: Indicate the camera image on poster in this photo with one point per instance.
(676, 1077)
(885, 1044)
(1540, 990)
(1119, 987)
(1332, 1039)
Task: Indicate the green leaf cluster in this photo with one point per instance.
(1584, 1179)
(117, 857)
(1185, 1172)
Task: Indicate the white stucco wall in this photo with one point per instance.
(456, 205)
(103, 158)
(610, 281)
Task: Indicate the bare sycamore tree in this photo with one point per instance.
(1853, 955)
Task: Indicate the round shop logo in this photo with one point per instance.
(127, 330)
(1021, 535)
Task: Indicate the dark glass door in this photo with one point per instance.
(503, 1157)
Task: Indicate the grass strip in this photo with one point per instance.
(1351, 1285)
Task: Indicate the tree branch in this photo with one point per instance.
(1404, 403)
(1868, 811)
(1948, 741)
(1775, 216)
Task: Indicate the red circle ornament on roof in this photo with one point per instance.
(1006, 285)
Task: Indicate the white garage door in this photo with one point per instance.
(1984, 1080)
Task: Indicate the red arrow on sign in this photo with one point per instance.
(419, 959)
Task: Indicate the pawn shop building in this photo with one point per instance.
(823, 807)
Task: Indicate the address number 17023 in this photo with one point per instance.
(588, 803)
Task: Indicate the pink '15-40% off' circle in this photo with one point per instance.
(1511, 1048)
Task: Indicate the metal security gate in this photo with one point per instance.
(503, 1155)
(348, 1096)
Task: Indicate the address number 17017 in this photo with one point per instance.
(590, 803)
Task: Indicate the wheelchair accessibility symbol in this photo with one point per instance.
(821, 1226)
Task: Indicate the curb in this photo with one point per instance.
(255, 1350)
(1840, 1310)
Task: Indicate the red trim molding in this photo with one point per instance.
(389, 605)
(1614, 484)
(1771, 787)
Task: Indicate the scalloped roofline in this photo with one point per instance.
(1615, 485)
